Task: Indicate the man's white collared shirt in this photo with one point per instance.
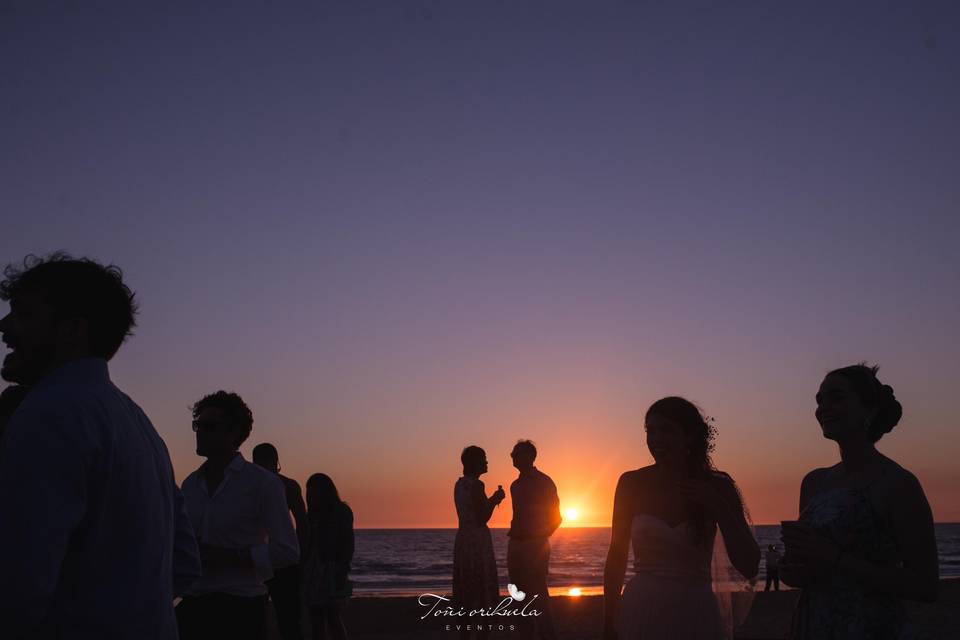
(247, 511)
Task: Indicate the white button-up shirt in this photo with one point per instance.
(247, 511)
(94, 541)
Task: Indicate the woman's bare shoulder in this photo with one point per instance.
(899, 480)
(635, 477)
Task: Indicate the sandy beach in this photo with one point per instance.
(579, 618)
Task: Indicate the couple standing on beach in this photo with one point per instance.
(536, 515)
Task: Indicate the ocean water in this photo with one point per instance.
(404, 562)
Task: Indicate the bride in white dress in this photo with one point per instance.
(671, 511)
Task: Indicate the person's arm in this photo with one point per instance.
(483, 505)
(742, 547)
(345, 541)
(918, 576)
(554, 519)
(615, 568)
(793, 573)
(43, 498)
(282, 548)
(299, 511)
(186, 553)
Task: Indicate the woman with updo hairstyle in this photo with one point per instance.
(864, 540)
(671, 512)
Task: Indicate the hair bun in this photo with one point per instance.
(889, 411)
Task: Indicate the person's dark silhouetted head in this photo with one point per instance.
(679, 436)
(61, 309)
(265, 455)
(524, 453)
(222, 422)
(678, 432)
(474, 460)
(852, 403)
(10, 399)
(322, 494)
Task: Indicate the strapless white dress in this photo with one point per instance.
(671, 596)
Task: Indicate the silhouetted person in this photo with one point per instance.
(865, 537)
(672, 512)
(772, 560)
(326, 563)
(536, 515)
(284, 586)
(10, 399)
(239, 512)
(94, 542)
(475, 580)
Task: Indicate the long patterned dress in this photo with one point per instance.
(475, 583)
(837, 607)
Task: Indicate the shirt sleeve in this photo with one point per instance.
(43, 498)
(554, 519)
(282, 548)
(186, 553)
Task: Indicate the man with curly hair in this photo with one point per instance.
(239, 511)
(95, 541)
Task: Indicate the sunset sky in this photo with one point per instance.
(400, 228)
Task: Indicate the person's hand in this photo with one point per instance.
(808, 547)
(499, 495)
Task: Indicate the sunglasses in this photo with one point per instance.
(206, 425)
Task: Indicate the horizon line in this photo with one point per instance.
(587, 526)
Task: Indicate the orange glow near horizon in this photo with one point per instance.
(418, 493)
(406, 479)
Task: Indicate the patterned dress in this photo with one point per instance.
(475, 582)
(837, 606)
(326, 560)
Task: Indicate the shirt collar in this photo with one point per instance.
(81, 369)
(531, 472)
(235, 464)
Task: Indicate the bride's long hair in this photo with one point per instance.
(701, 435)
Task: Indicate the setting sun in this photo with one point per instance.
(571, 515)
(576, 591)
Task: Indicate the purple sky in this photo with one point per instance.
(400, 228)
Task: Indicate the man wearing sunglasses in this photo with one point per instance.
(239, 513)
